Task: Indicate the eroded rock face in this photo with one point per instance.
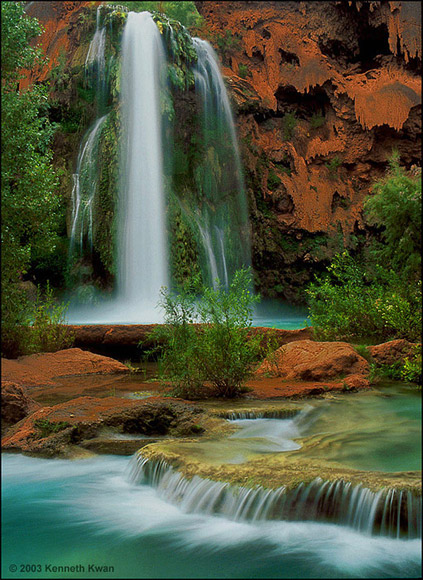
(56, 430)
(314, 361)
(15, 403)
(324, 92)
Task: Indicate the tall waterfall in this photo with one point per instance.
(222, 215)
(142, 232)
(217, 212)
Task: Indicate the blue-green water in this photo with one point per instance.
(86, 512)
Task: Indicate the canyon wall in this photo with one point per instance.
(323, 93)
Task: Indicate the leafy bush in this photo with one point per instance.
(333, 165)
(48, 330)
(317, 120)
(412, 369)
(207, 349)
(396, 208)
(46, 427)
(347, 303)
(289, 123)
(378, 295)
(243, 71)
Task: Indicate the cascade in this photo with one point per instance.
(219, 214)
(95, 62)
(84, 189)
(388, 512)
(142, 231)
(222, 214)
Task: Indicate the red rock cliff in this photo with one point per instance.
(324, 92)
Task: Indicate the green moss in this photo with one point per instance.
(45, 427)
(273, 181)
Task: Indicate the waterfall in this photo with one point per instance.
(85, 183)
(388, 512)
(222, 214)
(95, 61)
(142, 233)
(218, 213)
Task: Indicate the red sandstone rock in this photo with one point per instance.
(391, 352)
(314, 361)
(15, 403)
(82, 419)
(39, 369)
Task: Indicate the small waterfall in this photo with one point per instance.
(142, 233)
(388, 512)
(222, 215)
(282, 414)
(85, 183)
(95, 62)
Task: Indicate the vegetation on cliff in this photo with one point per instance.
(377, 293)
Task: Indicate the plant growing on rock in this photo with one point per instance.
(207, 347)
(48, 332)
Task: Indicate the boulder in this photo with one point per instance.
(40, 369)
(307, 360)
(15, 403)
(391, 352)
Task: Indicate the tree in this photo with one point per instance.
(30, 205)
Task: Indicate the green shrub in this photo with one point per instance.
(333, 165)
(317, 120)
(396, 208)
(289, 123)
(412, 368)
(48, 330)
(206, 349)
(347, 303)
(46, 427)
(243, 71)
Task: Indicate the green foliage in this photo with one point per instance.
(31, 209)
(412, 368)
(185, 12)
(49, 332)
(396, 209)
(317, 120)
(243, 71)
(289, 122)
(46, 427)
(206, 338)
(349, 303)
(272, 180)
(333, 165)
(227, 44)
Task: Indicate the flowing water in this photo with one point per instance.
(219, 214)
(151, 523)
(222, 214)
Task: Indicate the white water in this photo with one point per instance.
(84, 189)
(388, 512)
(87, 511)
(222, 216)
(96, 55)
(142, 253)
(142, 233)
